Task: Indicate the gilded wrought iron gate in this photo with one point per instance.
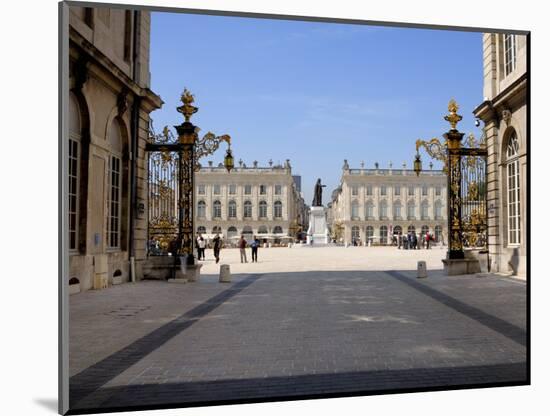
(467, 176)
(163, 183)
(474, 196)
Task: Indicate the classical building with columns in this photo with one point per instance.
(373, 204)
(504, 113)
(261, 201)
(108, 106)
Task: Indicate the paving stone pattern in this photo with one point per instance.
(295, 334)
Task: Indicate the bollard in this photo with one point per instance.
(422, 272)
(225, 274)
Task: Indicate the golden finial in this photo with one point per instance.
(187, 109)
(453, 118)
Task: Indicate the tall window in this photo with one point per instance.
(232, 209)
(247, 209)
(509, 53)
(202, 189)
(410, 210)
(424, 210)
(438, 210)
(438, 190)
(512, 173)
(397, 210)
(114, 202)
(127, 35)
(369, 190)
(383, 190)
(74, 168)
(278, 209)
(114, 184)
(217, 189)
(383, 234)
(201, 209)
(262, 209)
(369, 210)
(355, 190)
(383, 210)
(263, 189)
(354, 210)
(232, 189)
(411, 190)
(424, 190)
(355, 232)
(217, 209)
(278, 189)
(248, 189)
(397, 190)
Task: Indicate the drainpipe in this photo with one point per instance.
(134, 120)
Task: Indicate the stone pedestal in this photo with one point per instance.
(455, 267)
(317, 232)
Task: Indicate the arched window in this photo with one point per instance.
(262, 209)
(383, 210)
(247, 232)
(370, 231)
(201, 209)
(438, 233)
(397, 229)
(383, 234)
(513, 188)
(115, 185)
(397, 210)
(232, 209)
(217, 209)
(247, 209)
(411, 229)
(262, 229)
(216, 229)
(410, 210)
(354, 210)
(277, 229)
(424, 210)
(278, 209)
(75, 144)
(201, 229)
(424, 230)
(231, 232)
(355, 233)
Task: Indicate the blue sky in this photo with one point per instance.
(314, 93)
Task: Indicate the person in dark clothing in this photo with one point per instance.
(242, 249)
(217, 246)
(254, 246)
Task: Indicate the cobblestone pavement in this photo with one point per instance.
(293, 334)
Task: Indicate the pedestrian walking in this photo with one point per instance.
(427, 240)
(217, 247)
(254, 246)
(201, 246)
(242, 249)
(399, 241)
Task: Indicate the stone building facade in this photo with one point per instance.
(261, 201)
(373, 204)
(504, 113)
(109, 105)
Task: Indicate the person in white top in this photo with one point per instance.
(201, 245)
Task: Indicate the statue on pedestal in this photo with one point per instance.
(318, 194)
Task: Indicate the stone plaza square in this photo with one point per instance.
(302, 322)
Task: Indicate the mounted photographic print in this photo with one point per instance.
(270, 208)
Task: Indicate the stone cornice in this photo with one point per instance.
(151, 101)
